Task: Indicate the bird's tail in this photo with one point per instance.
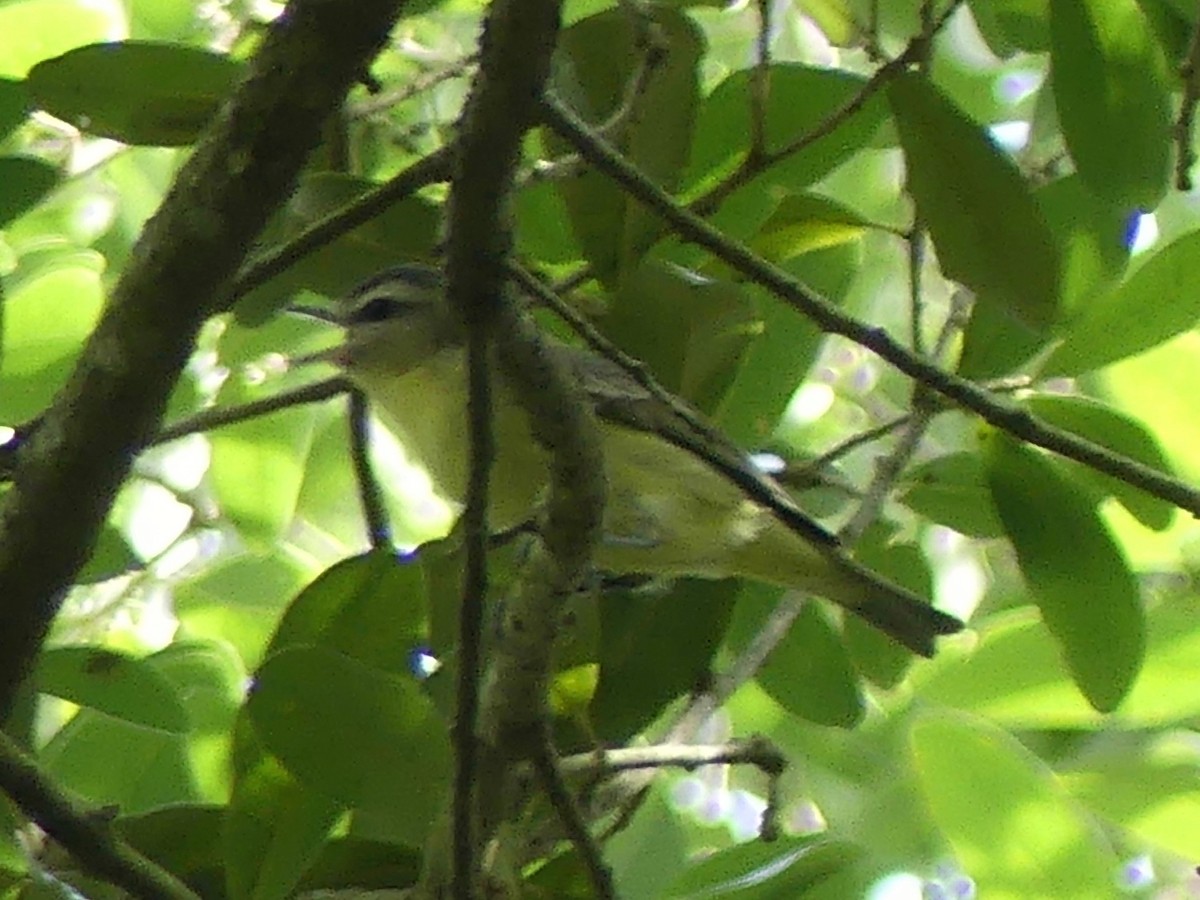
(897, 612)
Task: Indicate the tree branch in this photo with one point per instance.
(90, 839)
(178, 275)
(1007, 417)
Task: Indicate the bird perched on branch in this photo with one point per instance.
(682, 500)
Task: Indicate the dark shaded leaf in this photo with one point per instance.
(136, 92)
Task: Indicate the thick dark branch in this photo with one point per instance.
(178, 275)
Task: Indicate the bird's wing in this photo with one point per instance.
(618, 397)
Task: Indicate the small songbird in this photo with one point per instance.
(673, 506)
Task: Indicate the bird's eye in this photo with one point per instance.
(378, 309)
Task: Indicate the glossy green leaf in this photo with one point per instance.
(369, 607)
(1010, 26)
(809, 673)
(352, 732)
(136, 92)
(46, 320)
(784, 345)
(1007, 818)
(1119, 432)
(129, 689)
(1017, 678)
(1093, 234)
(767, 871)
(596, 60)
(1154, 304)
(240, 600)
(976, 206)
(874, 654)
(113, 761)
(801, 99)
(1088, 597)
(1109, 80)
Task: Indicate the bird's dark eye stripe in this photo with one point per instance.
(380, 309)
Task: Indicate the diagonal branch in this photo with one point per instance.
(1005, 416)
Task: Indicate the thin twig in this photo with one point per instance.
(1009, 418)
(379, 531)
(550, 778)
(433, 168)
(212, 419)
(753, 165)
(418, 85)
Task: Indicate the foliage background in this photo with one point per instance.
(1050, 751)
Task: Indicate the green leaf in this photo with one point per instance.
(809, 673)
(1016, 677)
(1109, 80)
(976, 206)
(873, 653)
(1154, 304)
(362, 736)
(23, 184)
(1009, 821)
(1093, 234)
(1119, 432)
(274, 829)
(690, 330)
(763, 871)
(129, 689)
(14, 105)
(111, 556)
(369, 607)
(1154, 799)
(594, 64)
(136, 92)
(1088, 597)
(258, 464)
(405, 230)
(663, 643)
(185, 839)
(1010, 26)
(38, 29)
(801, 99)
(785, 345)
(952, 490)
(46, 320)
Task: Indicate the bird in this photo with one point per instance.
(677, 501)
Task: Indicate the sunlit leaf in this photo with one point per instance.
(1010, 823)
(1154, 304)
